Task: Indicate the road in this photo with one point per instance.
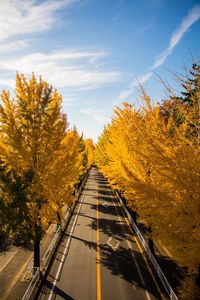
(15, 266)
(98, 257)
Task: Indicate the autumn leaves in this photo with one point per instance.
(41, 160)
(152, 156)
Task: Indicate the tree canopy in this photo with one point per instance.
(152, 156)
(41, 159)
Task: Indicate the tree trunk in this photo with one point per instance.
(151, 245)
(150, 240)
(198, 277)
(36, 261)
(134, 216)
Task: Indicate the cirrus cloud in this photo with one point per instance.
(98, 115)
(19, 17)
(192, 16)
(66, 68)
(74, 69)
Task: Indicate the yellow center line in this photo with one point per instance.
(98, 252)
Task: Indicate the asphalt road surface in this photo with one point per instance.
(98, 257)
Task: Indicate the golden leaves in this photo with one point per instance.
(35, 140)
(152, 156)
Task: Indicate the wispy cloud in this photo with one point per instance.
(98, 115)
(123, 95)
(128, 92)
(19, 17)
(66, 101)
(15, 46)
(192, 16)
(65, 68)
(144, 28)
(41, 61)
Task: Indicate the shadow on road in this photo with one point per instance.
(122, 257)
(119, 261)
(48, 286)
(115, 254)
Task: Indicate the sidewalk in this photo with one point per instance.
(15, 262)
(15, 267)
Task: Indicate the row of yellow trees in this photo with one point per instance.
(152, 156)
(41, 160)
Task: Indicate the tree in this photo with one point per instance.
(12, 200)
(191, 86)
(40, 150)
(154, 161)
(89, 146)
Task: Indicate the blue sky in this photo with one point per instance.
(95, 51)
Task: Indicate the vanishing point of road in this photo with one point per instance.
(98, 256)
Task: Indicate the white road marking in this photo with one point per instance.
(165, 249)
(7, 262)
(132, 254)
(66, 248)
(28, 272)
(147, 295)
(16, 278)
(135, 261)
(30, 266)
(114, 247)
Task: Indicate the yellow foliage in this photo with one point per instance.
(89, 147)
(37, 144)
(156, 165)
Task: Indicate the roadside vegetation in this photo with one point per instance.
(152, 156)
(42, 161)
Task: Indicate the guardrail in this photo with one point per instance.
(48, 254)
(32, 286)
(163, 279)
(35, 281)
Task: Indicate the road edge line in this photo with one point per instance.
(16, 278)
(144, 257)
(98, 257)
(132, 254)
(66, 248)
(5, 265)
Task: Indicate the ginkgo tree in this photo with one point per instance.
(153, 159)
(89, 147)
(40, 153)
